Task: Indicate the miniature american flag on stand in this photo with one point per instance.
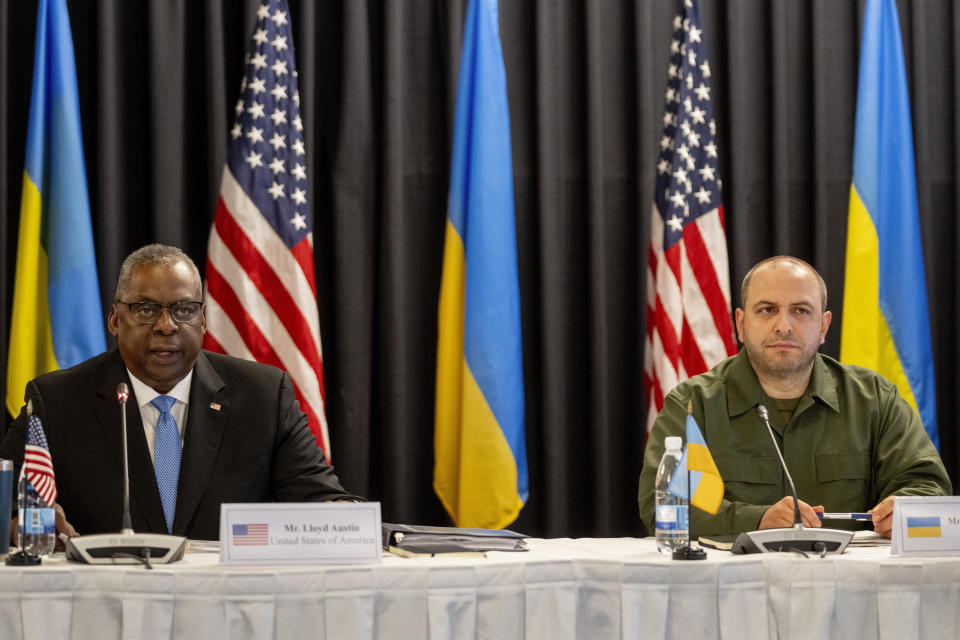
(261, 293)
(37, 465)
(689, 328)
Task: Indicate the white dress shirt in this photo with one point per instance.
(150, 414)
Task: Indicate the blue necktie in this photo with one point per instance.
(166, 456)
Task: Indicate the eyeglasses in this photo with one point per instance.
(148, 312)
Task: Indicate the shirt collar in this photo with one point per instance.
(145, 393)
(823, 385)
(744, 391)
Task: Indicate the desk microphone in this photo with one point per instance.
(126, 547)
(797, 537)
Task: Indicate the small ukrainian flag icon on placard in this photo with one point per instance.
(926, 527)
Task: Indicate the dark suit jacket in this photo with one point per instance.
(246, 440)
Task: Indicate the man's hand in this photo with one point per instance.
(780, 514)
(63, 527)
(883, 517)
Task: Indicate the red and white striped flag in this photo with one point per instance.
(261, 293)
(37, 465)
(689, 328)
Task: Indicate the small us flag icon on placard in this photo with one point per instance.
(250, 534)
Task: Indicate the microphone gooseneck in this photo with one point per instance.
(765, 419)
(796, 538)
(127, 547)
(123, 393)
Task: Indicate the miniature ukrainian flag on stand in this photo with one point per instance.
(706, 486)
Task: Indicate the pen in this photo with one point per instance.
(845, 516)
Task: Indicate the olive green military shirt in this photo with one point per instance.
(851, 442)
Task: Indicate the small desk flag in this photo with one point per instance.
(37, 464)
(706, 485)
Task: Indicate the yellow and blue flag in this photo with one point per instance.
(480, 471)
(886, 325)
(57, 320)
(923, 527)
(705, 489)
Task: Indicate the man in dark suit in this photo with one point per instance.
(203, 428)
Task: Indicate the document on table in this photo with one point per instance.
(203, 546)
(869, 538)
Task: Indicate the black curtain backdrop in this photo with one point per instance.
(586, 78)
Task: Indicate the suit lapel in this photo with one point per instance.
(206, 422)
(143, 483)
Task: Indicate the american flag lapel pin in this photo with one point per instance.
(215, 406)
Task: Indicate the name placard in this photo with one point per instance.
(926, 526)
(300, 532)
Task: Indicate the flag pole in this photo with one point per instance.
(22, 558)
(689, 552)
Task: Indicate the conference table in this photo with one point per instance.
(562, 588)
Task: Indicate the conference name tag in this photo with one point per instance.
(300, 532)
(926, 526)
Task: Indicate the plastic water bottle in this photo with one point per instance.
(37, 520)
(671, 512)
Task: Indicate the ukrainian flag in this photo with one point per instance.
(706, 486)
(928, 527)
(57, 320)
(480, 471)
(886, 326)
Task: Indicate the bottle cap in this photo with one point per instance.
(673, 442)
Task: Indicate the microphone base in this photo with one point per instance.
(792, 539)
(126, 548)
(688, 552)
(22, 559)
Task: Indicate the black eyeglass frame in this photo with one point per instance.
(139, 304)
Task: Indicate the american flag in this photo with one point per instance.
(261, 292)
(250, 534)
(37, 464)
(689, 328)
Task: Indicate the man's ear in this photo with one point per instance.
(738, 316)
(824, 325)
(113, 320)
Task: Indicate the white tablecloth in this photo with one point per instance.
(588, 588)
